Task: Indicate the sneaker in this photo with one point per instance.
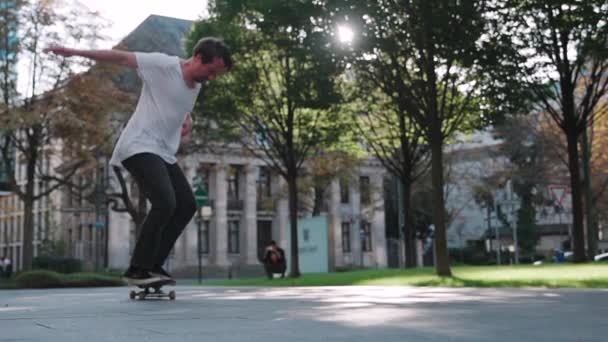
(161, 273)
(138, 276)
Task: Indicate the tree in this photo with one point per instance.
(323, 169)
(279, 102)
(438, 54)
(562, 52)
(395, 139)
(524, 147)
(58, 113)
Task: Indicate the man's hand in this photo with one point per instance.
(187, 129)
(60, 50)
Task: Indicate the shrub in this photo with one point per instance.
(38, 279)
(91, 280)
(57, 264)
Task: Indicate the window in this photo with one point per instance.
(263, 183)
(344, 192)
(346, 237)
(18, 237)
(40, 225)
(204, 237)
(70, 195)
(12, 230)
(233, 237)
(47, 223)
(233, 183)
(365, 190)
(366, 236)
(35, 226)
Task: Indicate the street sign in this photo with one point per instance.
(200, 193)
(559, 193)
(201, 197)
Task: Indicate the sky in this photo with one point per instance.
(125, 16)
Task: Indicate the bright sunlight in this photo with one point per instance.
(345, 34)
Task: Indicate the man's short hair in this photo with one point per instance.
(210, 47)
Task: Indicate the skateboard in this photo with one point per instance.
(153, 290)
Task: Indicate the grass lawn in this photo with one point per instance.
(563, 275)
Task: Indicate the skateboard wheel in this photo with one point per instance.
(132, 295)
(172, 295)
(142, 296)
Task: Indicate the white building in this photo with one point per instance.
(250, 208)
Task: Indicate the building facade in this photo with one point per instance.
(249, 208)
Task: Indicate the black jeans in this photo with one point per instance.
(173, 206)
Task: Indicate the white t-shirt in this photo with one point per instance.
(165, 99)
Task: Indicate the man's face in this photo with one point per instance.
(209, 71)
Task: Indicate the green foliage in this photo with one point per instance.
(560, 52)
(91, 280)
(39, 279)
(57, 263)
(282, 89)
(393, 49)
(528, 236)
(281, 99)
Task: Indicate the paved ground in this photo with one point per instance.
(377, 314)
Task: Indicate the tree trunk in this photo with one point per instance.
(441, 246)
(592, 232)
(578, 236)
(293, 220)
(409, 233)
(28, 232)
(28, 203)
(434, 124)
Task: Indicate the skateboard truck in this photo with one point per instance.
(153, 290)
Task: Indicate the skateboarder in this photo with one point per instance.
(148, 144)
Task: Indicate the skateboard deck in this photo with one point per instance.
(153, 290)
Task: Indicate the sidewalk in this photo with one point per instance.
(377, 314)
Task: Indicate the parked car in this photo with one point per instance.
(601, 257)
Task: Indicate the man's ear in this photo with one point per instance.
(199, 57)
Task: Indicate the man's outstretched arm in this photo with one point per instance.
(124, 58)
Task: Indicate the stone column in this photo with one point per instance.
(378, 222)
(250, 219)
(189, 243)
(279, 232)
(336, 257)
(119, 231)
(221, 215)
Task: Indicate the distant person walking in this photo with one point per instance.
(8, 267)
